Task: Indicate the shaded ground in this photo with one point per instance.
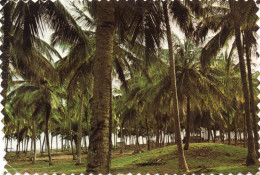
(201, 158)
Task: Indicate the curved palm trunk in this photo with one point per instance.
(187, 140)
(251, 156)
(252, 101)
(182, 161)
(48, 112)
(79, 136)
(99, 136)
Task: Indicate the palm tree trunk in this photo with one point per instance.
(86, 114)
(27, 144)
(252, 101)
(43, 142)
(209, 131)
(214, 135)
(228, 128)
(157, 136)
(48, 112)
(18, 140)
(79, 134)
(110, 127)
(245, 133)
(187, 140)
(147, 133)
(34, 142)
(70, 134)
(137, 145)
(182, 161)
(51, 140)
(6, 150)
(121, 138)
(251, 156)
(235, 128)
(99, 150)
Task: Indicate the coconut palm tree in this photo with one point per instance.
(175, 112)
(229, 26)
(235, 9)
(249, 40)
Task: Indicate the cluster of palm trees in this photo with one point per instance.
(200, 81)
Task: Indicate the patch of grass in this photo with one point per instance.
(201, 158)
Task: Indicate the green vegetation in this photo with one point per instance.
(202, 158)
(119, 69)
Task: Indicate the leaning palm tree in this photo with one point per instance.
(175, 112)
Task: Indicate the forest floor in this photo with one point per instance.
(201, 158)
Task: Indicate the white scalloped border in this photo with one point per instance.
(2, 151)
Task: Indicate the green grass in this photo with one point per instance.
(201, 158)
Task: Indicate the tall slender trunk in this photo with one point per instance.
(147, 133)
(214, 135)
(70, 134)
(86, 114)
(79, 134)
(182, 161)
(34, 141)
(251, 156)
(244, 133)
(209, 133)
(22, 145)
(187, 140)
(137, 145)
(157, 135)
(121, 138)
(51, 140)
(6, 150)
(99, 149)
(43, 142)
(18, 139)
(110, 127)
(48, 112)
(228, 128)
(220, 134)
(235, 129)
(27, 144)
(251, 90)
(31, 151)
